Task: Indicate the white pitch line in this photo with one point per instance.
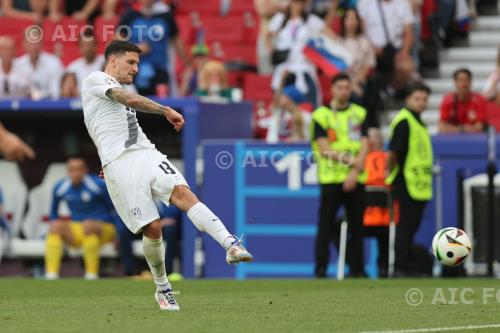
(440, 329)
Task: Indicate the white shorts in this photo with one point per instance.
(135, 179)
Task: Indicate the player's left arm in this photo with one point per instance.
(144, 104)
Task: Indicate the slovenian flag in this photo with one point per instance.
(331, 57)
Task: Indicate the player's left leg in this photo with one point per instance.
(95, 233)
(205, 220)
(154, 252)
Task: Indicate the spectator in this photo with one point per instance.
(170, 218)
(189, 83)
(159, 29)
(69, 86)
(463, 110)
(354, 40)
(14, 81)
(33, 10)
(416, 8)
(292, 30)
(45, 69)
(389, 28)
(111, 8)
(266, 9)
(80, 10)
(410, 165)
(377, 216)
(289, 122)
(491, 90)
(91, 216)
(90, 61)
(212, 81)
(12, 147)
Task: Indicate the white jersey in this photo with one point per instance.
(112, 126)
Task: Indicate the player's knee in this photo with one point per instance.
(153, 230)
(182, 196)
(55, 227)
(90, 227)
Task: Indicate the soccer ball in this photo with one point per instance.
(451, 246)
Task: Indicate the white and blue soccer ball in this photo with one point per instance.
(451, 246)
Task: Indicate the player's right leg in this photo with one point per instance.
(59, 232)
(205, 220)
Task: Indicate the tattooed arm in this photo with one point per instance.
(146, 105)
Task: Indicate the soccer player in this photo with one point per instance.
(90, 226)
(135, 172)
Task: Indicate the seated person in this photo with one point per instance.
(69, 86)
(89, 61)
(90, 226)
(463, 110)
(376, 217)
(212, 81)
(170, 218)
(189, 84)
(289, 122)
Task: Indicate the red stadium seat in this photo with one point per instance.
(326, 88)
(241, 6)
(187, 31)
(104, 30)
(224, 30)
(250, 28)
(257, 87)
(235, 52)
(493, 114)
(66, 31)
(13, 27)
(204, 7)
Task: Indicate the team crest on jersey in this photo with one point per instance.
(136, 212)
(85, 196)
(110, 81)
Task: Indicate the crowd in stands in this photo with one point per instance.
(213, 49)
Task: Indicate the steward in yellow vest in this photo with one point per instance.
(409, 169)
(339, 143)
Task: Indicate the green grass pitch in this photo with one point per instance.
(123, 305)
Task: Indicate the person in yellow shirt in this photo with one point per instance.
(410, 165)
(339, 143)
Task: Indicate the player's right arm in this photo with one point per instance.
(144, 104)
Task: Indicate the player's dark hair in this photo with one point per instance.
(460, 71)
(76, 157)
(417, 86)
(341, 77)
(119, 47)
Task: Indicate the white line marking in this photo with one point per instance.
(440, 329)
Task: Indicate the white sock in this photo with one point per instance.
(205, 220)
(155, 256)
